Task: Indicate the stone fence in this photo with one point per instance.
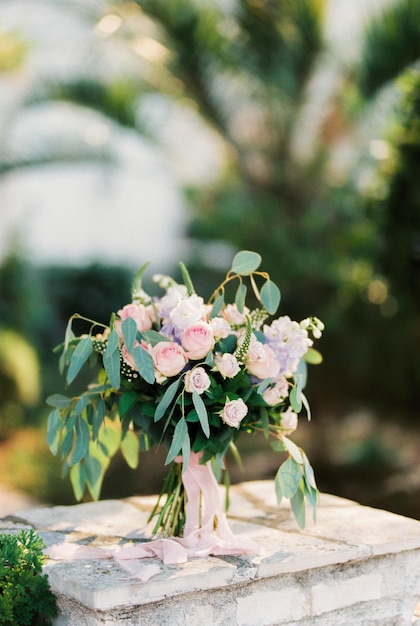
(356, 566)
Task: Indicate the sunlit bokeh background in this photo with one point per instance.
(156, 130)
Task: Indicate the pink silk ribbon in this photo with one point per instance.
(208, 536)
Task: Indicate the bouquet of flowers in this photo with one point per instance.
(190, 375)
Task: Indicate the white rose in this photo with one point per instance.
(277, 392)
(289, 421)
(197, 380)
(221, 328)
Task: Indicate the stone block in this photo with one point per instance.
(356, 566)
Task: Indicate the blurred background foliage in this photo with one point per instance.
(318, 171)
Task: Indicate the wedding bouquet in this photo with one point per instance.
(193, 376)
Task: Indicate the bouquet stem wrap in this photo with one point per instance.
(206, 532)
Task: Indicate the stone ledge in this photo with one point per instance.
(355, 566)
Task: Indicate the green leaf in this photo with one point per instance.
(59, 401)
(301, 374)
(127, 401)
(270, 296)
(78, 480)
(312, 356)
(246, 262)
(79, 357)
(112, 367)
(187, 279)
(297, 502)
(166, 400)
(54, 425)
(307, 407)
(200, 407)
(178, 441)
(67, 443)
(129, 330)
(137, 280)
(110, 440)
(309, 473)
(130, 449)
(265, 422)
(69, 336)
(289, 476)
(240, 297)
(217, 306)
(144, 364)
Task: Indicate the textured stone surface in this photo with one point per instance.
(355, 566)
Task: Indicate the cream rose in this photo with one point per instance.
(197, 340)
(169, 358)
(233, 316)
(197, 380)
(221, 327)
(234, 412)
(227, 364)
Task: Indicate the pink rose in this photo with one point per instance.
(234, 412)
(197, 380)
(143, 316)
(261, 361)
(197, 340)
(227, 364)
(169, 358)
(277, 392)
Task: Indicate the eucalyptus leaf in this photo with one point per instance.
(292, 448)
(81, 442)
(217, 306)
(94, 472)
(297, 502)
(296, 399)
(166, 400)
(79, 357)
(54, 425)
(186, 449)
(289, 477)
(129, 330)
(113, 341)
(144, 364)
(112, 367)
(98, 417)
(59, 401)
(270, 296)
(246, 262)
(81, 404)
(180, 434)
(240, 297)
(78, 480)
(130, 449)
(153, 337)
(200, 407)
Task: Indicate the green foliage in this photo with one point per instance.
(391, 45)
(25, 594)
